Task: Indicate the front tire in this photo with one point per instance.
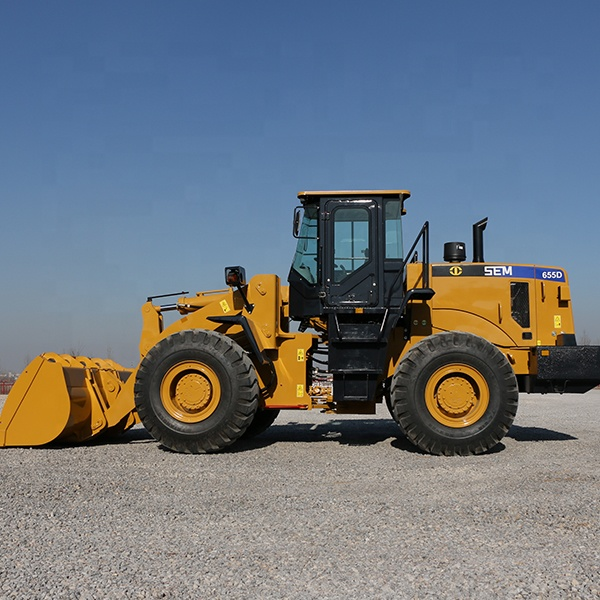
(196, 391)
(263, 419)
(454, 393)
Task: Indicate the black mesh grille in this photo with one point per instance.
(519, 302)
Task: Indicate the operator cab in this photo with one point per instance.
(348, 253)
(349, 273)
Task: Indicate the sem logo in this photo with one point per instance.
(499, 271)
(455, 271)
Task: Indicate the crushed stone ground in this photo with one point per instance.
(318, 506)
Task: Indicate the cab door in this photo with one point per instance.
(351, 269)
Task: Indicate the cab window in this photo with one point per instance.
(351, 241)
(305, 258)
(393, 229)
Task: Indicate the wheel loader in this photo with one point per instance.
(447, 346)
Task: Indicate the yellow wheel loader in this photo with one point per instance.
(447, 346)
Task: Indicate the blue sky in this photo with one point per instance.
(146, 145)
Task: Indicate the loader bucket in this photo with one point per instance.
(67, 398)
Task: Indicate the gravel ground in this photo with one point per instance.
(316, 507)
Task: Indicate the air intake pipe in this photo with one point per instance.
(478, 240)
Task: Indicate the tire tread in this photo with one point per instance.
(245, 400)
(405, 379)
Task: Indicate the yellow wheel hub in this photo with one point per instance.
(457, 395)
(190, 391)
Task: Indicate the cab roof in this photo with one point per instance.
(402, 194)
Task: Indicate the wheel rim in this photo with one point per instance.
(457, 395)
(190, 391)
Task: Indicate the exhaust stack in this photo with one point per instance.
(478, 229)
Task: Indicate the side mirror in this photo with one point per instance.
(297, 220)
(235, 276)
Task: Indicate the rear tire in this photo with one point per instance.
(388, 403)
(454, 393)
(196, 391)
